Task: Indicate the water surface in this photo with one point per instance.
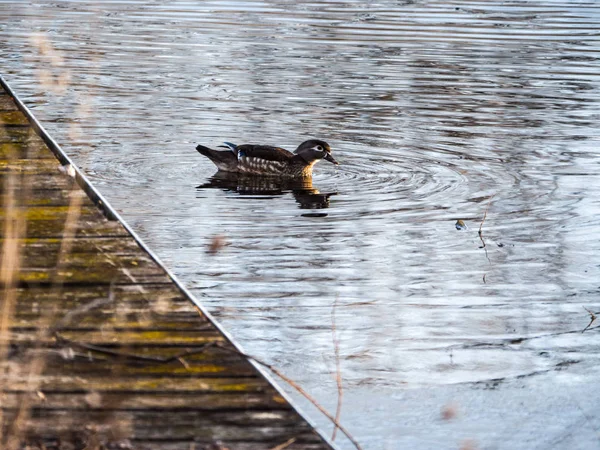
(437, 112)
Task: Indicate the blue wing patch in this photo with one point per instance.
(230, 146)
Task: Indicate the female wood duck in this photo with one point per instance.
(266, 160)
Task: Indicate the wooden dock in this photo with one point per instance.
(99, 347)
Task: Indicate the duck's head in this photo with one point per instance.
(314, 150)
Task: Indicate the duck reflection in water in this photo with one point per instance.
(306, 195)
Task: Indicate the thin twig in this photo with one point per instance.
(153, 359)
(338, 378)
(501, 343)
(297, 387)
(36, 367)
(593, 318)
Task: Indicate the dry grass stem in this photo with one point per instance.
(37, 364)
(449, 412)
(216, 244)
(14, 230)
(338, 377)
(9, 270)
(54, 79)
(468, 444)
(285, 445)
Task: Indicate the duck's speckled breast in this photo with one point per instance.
(260, 166)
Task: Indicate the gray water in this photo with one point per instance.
(436, 111)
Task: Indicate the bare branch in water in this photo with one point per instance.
(592, 317)
(480, 233)
(485, 216)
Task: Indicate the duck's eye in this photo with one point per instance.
(320, 148)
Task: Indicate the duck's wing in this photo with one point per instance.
(264, 152)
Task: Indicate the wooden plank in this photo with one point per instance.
(17, 134)
(108, 318)
(114, 245)
(7, 104)
(200, 425)
(28, 166)
(298, 443)
(201, 354)
(129, 338)
(45, 197)
(106, 306)
(156, 299)
(115, 443)
(86, 211)
(94, 225)
(41, 181)
(32, 149)
(128, 386)
(109, 310)
(108, 313)
(175, 369)
(36, 257)
(76, 275)
(72, 268)
(170, 401)
(86, 363)
(13, 118)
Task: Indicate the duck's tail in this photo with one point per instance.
(224, 160)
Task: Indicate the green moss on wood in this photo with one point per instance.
(13, 118)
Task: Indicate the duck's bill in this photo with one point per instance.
(330, 158)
